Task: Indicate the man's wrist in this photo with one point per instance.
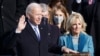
(63, 47)
(17, 30)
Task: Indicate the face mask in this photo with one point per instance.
(44, 21)
(58, 19)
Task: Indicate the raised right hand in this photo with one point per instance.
(21, 24)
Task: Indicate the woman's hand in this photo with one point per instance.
(67, 50)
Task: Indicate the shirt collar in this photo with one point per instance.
(32, 25)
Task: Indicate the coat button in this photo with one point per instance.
(49, 34)
(2, 17)
(2, 6)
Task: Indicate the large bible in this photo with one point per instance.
(77, 54)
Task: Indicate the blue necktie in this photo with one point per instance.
(37, 33)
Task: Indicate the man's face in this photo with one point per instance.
(45, 14)
(36, 16)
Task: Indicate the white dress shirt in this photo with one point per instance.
(78, 1)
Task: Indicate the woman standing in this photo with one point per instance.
(60, 16)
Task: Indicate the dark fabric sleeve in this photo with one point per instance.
(9, 40)
(53, 40)
(56, 49)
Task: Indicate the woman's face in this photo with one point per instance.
(58, 17)
(76, 27)
(59, 13)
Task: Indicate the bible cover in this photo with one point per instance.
(77, 54)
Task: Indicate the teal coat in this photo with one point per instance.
(85, 43)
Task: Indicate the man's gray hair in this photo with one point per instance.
(44, 7)
(31, 6)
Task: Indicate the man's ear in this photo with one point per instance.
(28, 16)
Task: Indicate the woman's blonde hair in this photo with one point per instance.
(63, 10)
(72, 19)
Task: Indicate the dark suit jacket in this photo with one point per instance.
(69, 6)
(10, 11)
(45, 1)
(53, 35)
(97, 27)
(39, 1)
(26, 43)
(76, 6)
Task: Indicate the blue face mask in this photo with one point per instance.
(58, 19)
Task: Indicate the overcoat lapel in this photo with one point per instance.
(82, 41)
(70, 43)
(31, 31)
(43, 33)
